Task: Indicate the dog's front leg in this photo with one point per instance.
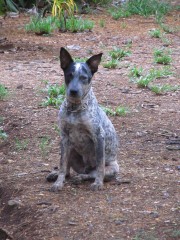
(100, 160)
(58, 185)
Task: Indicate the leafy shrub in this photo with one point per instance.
(162, 56)
(119, 53)
(156, 33)
(74, 24)
(41, 25)
(141, 7)
(61, 7)
(113, 63)
(163, 88)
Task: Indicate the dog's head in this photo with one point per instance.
(78, 75)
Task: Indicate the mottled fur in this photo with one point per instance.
(88, 138)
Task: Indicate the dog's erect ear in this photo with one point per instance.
(93, 62)
(65, 58)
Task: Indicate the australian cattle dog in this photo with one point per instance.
(88, 139)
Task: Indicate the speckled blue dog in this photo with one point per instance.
(88, 138)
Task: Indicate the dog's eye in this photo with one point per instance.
(83, 79)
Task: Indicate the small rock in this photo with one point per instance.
(20, 86)
(12, 14)
(165, 195)
(127, 41)
(178, 167)
(119, 221)
(74, 47)
(14, 202)
(72, 223)
(154, 214)
(44, 203)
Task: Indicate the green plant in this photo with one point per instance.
(123, 25)
(117, 13)
(44, 145)
(56, 128)
(166, 41)
(144, 81)
(74, 24)
(161, 72)
(176, 234)
(113, 63)
(3, 135)
(101, 2)
(108, 111)
(118, 53)
(61, 7)
(56, 95)
(143, 8)
(156, 33)
(3, 92)
(121, 111)
(41, 26)
(136, 72)
(102, 23)
(162, 56)
(21, 144)
(168, 29)
(142, 235)
(2, 7)
(163, 89)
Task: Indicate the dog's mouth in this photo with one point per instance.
(74, 100)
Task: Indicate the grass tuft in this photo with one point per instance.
(143, 81)
(3, 92)
(74, 24)
(119, 53)
(162, 56)
(141, 7)
(163, 89)
(56, 94)
(41, 26)
(156, 33)
(44, 145)
(119, 111)
(3, 135)
(21, 144)
(136, 72)
(113, 63)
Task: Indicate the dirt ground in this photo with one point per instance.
(145, 207)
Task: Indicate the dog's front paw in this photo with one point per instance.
(97, 186)
(56, 187)
(52, 176)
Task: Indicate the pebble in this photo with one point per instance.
(127, 41)
(119, 221)
(154, 214)
(14, 202)
(20, 86)
(73, 47)
(178, 167)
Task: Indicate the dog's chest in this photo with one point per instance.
(78, 129)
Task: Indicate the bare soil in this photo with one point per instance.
(145, 206)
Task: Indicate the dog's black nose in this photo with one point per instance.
(73, 92)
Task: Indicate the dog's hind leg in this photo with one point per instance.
(111, 170)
